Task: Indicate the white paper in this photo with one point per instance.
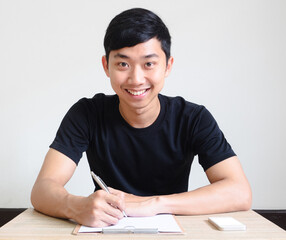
(163, 222)
(227, 223)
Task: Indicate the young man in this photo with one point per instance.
(140, 142)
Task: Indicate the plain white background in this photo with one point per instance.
(229, 56)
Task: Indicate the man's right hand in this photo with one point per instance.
(100, 209)
(50, 197)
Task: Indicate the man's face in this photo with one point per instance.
(137, 73)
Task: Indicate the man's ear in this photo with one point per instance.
(169, 66)
(105, 65)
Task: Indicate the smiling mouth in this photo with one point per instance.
(137, 93)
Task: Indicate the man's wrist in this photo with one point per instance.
(161, 204)
(72, 206)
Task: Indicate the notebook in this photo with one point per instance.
(162, 223)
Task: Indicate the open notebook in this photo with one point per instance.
(163, 223)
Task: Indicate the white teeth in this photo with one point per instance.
(136, 93)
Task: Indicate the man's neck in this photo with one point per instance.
(140, 118)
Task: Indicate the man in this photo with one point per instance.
(138, 141)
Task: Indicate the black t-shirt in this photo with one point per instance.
(147, 161)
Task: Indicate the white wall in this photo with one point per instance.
(229, 56)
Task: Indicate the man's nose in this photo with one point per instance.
(136, 76)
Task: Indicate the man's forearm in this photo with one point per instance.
(221, 196)
(229, 191)
(51, 199)
(99, 209)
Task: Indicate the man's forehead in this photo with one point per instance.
(149, 49)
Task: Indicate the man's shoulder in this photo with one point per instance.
(98, 100)
(95, 105)
(104, 97)
(180, 104)
(99, 97)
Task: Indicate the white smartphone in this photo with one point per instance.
(227, 224)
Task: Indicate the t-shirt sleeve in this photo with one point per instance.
(72, 138)
(209, 141)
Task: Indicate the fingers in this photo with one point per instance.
(120, 200)
(116, 192)
(127, 197)
(106, 209)
(102, 221)
(100, 209)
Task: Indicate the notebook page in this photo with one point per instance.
(164, 223)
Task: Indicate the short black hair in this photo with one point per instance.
(134, 26)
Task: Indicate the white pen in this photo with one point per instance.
(103, 186)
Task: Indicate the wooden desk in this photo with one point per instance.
(33, 225)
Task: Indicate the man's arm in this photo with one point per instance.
(50, 197)
(228, 191)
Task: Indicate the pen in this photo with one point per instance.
(103, 186)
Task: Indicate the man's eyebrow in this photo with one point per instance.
(151, 55)
(120, 55)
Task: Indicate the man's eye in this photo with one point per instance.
(123, 64)
(149, 64)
